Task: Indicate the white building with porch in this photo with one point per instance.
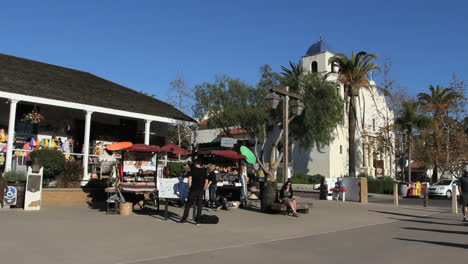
(78, 104)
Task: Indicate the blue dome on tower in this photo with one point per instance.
(319, 46)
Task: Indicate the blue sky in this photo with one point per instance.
(146, 44)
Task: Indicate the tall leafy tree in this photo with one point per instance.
(231, 103)
(439, 101)
(409, 120)
(352, 74)
(181, 97)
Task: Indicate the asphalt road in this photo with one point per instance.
(388, 199)
(439, 238)
(333, 232)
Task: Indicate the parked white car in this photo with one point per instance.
(442, 188)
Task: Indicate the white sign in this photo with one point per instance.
(228, 142)
(173, 188)
(33, 194)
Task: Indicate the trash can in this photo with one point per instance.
(20, 192)
(411, 189)
(403, 189)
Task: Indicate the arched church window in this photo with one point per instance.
(314, 66)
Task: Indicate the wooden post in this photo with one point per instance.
(426, 195)
(166, 205)
(285, 135)
(364, 191)
(454, 200)
(395, 194)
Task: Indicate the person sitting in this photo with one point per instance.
(339, 189)
(286, 197)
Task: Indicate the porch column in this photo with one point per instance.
(11, 135)
(86, 147)
(364, 155)
(147, 131)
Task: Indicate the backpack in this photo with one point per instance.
(209, 219)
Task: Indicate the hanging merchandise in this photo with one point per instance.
(3, 135)
(34, 117)
(32, 143)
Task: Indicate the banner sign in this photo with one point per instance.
(10, 196)
(228, 142)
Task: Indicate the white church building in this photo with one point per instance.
(374, 144)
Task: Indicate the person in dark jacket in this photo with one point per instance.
(286, 197)
(212, 186)
(197, 182)
(463, 190)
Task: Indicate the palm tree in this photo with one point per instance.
(438, 102)
(292, 76)
(352, 74)
(409, 120)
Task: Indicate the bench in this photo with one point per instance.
(283, 209)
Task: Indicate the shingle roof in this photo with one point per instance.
(33, 78)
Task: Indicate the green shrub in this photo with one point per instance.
(279, 174)
(14, 176)
(301, 178)
(316, 178)
(71, 175)
(175, 168)
(52, 161)
(382, 185)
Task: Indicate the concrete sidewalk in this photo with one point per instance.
(79, 234)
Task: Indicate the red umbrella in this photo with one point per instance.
(230, 154)
(142, 148)
(119, 146)
(175, 149)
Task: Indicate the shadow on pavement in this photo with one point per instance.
(158, 214)
(100, 206)
(400, 214)
(447, 244)
(426, 222)
(436, 230)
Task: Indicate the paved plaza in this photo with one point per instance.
(333, 232)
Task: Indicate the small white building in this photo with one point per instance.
(374, 144)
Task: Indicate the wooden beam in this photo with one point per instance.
(284, 92)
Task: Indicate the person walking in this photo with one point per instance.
(463, 190)
(197, 182)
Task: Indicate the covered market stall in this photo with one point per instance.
(230, 173)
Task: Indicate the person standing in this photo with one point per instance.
(197, 182)
(67, 147)
(212, 187)
(463, 189)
